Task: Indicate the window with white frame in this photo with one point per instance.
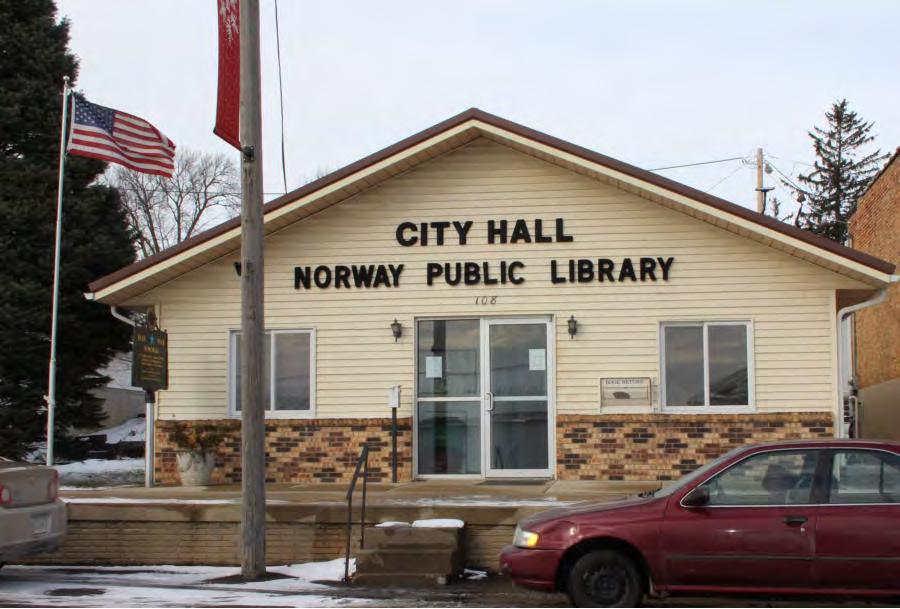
(289, 372)
(706, 364)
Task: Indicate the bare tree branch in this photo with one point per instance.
(205, 189)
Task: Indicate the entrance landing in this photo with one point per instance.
(304, 522)
(474, 492)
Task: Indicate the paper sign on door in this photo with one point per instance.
(537, 359)
(434, 368)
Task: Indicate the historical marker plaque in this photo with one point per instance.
(150, 359)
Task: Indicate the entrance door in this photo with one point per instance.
(517, 405)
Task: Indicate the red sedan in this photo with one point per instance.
(797, 517)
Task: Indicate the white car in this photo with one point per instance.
(32, 517)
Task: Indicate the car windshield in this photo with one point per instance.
(665, 491)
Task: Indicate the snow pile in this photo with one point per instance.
(439, 523)
(432, 523)
(132, 430)
(330, 570)
(101, 472)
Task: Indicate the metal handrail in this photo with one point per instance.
(362, 462)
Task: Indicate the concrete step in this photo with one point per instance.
(422, 561)
(412, 537)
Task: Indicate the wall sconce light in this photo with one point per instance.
(396, 329)
(573, 327)
(237, 268)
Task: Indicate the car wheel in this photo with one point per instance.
(605, 578)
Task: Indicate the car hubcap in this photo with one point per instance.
(606, 585)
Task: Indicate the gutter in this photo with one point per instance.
(148, 416)
(841, 429)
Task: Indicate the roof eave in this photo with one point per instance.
(877, 270)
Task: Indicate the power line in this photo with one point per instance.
(280, 95)
(795, 161)
(786, 177)
(734, 158)
(737, 169)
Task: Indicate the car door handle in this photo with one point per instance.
(795, 520)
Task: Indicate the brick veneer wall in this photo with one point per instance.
(298, 450)
(875, 229)
(589, 447)
(666, 446)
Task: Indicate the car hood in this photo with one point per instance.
(590, 507)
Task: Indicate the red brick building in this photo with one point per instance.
(875, 229)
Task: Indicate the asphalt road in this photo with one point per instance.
(151, 586)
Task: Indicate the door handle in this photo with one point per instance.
(489, 401)
(795, 520)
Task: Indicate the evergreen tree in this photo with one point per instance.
(34, 57)
(840, 175)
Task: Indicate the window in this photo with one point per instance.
(289, 384)
(706, 364)
(865, 476)
(771, 478)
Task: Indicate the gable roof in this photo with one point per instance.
(453, 133)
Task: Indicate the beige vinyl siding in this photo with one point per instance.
(717, 275)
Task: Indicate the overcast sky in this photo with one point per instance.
(651, 83)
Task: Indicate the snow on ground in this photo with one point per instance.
(132, 430)
(101, 472)
(171, 586)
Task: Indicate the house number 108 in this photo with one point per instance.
(485, 300)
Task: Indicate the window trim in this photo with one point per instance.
(270, 413)
(706, 408)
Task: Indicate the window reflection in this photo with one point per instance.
(448, 358)
(722, 374)
(519, 435)
(449, 438)
(515, 371)
(684, 366)
(728, 365)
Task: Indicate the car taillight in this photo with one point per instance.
(53, 487)
(5, 496)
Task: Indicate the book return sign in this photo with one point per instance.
(150, 359)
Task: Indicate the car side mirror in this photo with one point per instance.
(697, 497)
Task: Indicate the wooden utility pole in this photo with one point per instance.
(760, 193)
(253, 455)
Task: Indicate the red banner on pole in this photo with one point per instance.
(228, 105)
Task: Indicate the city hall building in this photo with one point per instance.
(546, 312)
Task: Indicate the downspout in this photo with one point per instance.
(148, 420)
(840, 428)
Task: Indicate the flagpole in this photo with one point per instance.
(51, 383)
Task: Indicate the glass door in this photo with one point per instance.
(517, 406)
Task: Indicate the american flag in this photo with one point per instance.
(110, 135)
